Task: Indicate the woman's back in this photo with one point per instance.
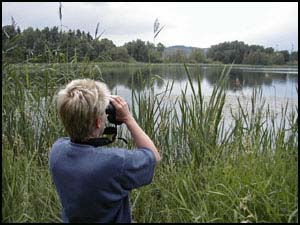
(94, 183)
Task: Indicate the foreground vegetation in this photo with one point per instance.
(247, 172)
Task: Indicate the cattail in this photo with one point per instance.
(156, 31)
(13, 22)
(60, 15)
(96, 32)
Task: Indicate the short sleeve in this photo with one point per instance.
(138, 168)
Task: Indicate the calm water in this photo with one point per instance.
(278, 86)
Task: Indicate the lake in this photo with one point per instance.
(278, 84)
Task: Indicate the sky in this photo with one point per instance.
(196, 24)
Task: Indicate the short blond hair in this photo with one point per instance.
(79, 104)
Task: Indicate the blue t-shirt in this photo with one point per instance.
(94, 183)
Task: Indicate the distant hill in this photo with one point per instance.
(185, 49)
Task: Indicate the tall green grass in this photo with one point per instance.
(247, 172)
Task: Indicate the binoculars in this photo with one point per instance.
(111, 116)
(111, 112)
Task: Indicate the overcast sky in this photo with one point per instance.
(197, 24)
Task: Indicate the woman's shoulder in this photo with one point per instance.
(61, 141)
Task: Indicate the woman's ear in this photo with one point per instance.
(98, 122)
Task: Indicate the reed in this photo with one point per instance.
(247, 172)
(238, 176)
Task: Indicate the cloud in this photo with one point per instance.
(192, 24)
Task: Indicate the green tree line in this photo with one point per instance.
(241, 53)
(42, 45)
(54, 45)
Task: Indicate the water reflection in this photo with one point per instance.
(277, 88)
(141, 78)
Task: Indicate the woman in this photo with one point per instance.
(94, 183)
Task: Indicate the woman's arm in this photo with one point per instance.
(141, 139)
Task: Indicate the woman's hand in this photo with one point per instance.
(122, 110)
(141, 139)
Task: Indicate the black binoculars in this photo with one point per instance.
(111, 116)
(111, 112)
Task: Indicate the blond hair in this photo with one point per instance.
(79, 104)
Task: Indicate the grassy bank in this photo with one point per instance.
(248, 172)
(121, 64)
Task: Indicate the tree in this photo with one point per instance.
(251, 58)
(176, 57)
(294, 56)
(265, 59)
(197, 55)
(154, 56)
(228, 52)
(286, 55)
(258, 58)
(160, 47)
(278, 58)
(51, 45)
(269, 50)
(138, 50)
(101, 49)
(119, 54)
